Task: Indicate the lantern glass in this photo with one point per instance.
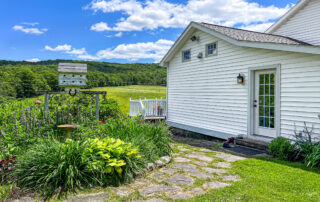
(240, 79)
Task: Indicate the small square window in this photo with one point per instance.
(211, 49)
(186, 55)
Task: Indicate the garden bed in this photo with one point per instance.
(39, 159)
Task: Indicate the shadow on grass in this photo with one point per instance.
(298, 165)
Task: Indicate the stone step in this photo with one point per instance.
(252, 143)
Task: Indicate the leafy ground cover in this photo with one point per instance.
(122, 94)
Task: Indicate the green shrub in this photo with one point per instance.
(312, 159)
(281, 148)
(57, 168)
(54, 168)
(153, 139)
(112, 158)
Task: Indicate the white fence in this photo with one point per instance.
(148, 108)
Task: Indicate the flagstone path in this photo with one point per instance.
(191, 172)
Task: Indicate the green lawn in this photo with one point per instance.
(265, 179)
(123, 93)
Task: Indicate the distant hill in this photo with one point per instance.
(19, 79)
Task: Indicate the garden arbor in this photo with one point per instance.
(72, 77)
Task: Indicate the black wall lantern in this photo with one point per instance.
(240, 79)
(195, 38)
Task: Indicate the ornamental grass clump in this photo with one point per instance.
(57, 168)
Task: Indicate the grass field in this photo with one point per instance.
(123, 93)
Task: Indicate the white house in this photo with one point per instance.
(280, 70)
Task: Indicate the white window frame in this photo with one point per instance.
(215, 52)
(183, 59)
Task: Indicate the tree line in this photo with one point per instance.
(21, 79)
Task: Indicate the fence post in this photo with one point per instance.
(97, 107)
(46, 105)
(130, 107)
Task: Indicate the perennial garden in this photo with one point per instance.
(37, 158)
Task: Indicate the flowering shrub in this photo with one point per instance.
(6, 165)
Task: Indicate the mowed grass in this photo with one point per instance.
(269, 180)
(122, 94)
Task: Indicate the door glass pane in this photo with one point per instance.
(266, 112)
(271, 78)
(261, 121)
(261, 100)
(271, 111)
(272, 123)
(261, 79)
(271, 100)
(266, 100)
(266, 123)
(261, 111)
(266, 78)
(272, 90)
(261, 90)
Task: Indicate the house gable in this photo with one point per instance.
(193, 26)
(302, 22)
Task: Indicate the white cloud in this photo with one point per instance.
(30, 23)
(30, 30)
(119, 34)
(153, 14)
(257, 27)
(33, 60)
(88, 57)
(100, 27)
(75, 51)
(64, 47)
(132, 52)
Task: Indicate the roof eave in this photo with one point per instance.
(286, 16)
(260, 45)
(164, 60)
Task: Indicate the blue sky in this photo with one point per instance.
(118, 30)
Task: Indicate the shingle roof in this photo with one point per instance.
(245, 35)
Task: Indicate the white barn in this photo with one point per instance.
(280, 71)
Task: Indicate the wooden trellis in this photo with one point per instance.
(72, 76)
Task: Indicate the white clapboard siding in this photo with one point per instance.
(304, 25)
(204, 93)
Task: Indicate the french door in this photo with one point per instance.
(265, 103)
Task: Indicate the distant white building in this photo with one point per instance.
(280, 71)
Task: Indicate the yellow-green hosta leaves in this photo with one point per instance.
(109, 154)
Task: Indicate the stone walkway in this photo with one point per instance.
(192, 171)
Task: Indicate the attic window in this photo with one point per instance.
(211, 49)
(186, 55)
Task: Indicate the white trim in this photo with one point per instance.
(182, 54)
(286, 16)
(251, 84)
(167, 91)
(271, 46)
(216, 50)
